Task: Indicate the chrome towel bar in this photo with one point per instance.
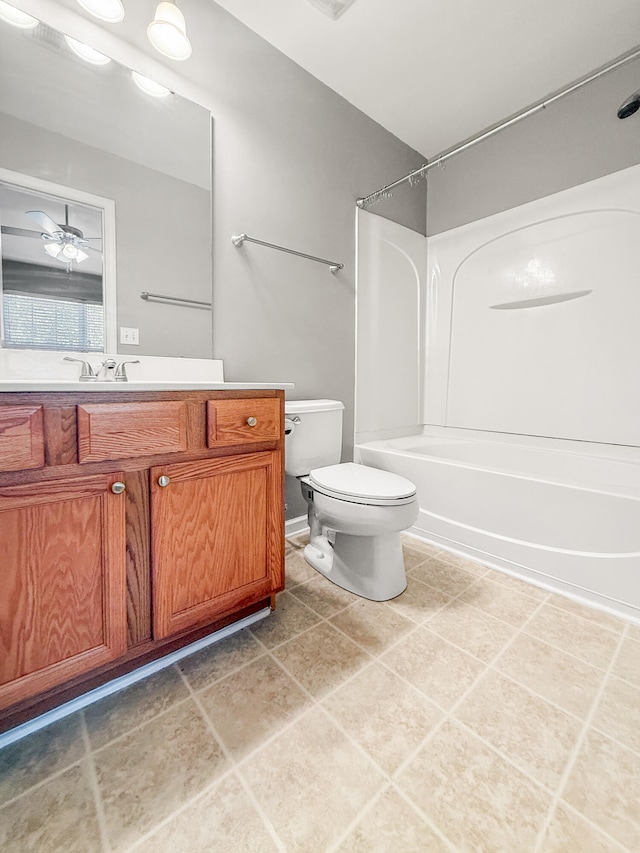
(179, 300)
(238, 240)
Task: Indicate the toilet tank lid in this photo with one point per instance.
(298, 407)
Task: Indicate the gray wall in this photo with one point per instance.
(576, 139)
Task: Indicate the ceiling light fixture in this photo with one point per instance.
(149, 86)
(332, 8)
(17, 18)
(168, 32)
(65, 251)
(89, 54)
(111, 11)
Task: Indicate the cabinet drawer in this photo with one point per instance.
(21, 438)
(230, 421)
(121, 430)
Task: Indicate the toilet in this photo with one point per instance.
(356, 513)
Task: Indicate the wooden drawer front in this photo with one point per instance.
(21, 438)
(228, 421)
(121, 430)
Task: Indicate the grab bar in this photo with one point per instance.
(238, 240)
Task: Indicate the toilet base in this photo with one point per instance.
(369, 566)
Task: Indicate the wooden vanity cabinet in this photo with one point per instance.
(94, 579)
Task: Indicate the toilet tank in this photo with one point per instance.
(316, 440)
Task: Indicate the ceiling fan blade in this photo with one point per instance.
(45, 221)
(19, 232)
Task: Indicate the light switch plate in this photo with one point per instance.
(129, 336)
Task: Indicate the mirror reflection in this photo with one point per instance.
(77, 140)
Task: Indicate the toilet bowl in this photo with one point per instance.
(356, 513)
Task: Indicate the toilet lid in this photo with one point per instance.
(351, 479)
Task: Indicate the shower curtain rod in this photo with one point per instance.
(540, 105)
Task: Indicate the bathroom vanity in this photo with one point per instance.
(132, 522)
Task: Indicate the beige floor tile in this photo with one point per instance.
(299, 540)
(579, 637)
(517, 585)
(30, 760)
(323, 596)
(372, 624)
(388, 718)
(472, 630)
(443, 576)
(478, 800)
(311, 782)
(439, 670)
(618, 712)
(419, 601)
(604, 785)
(461, 562)
(222, 658)
(321, 659)
(499, 601)
(152, 771)
(420, 545)
(627, 663)
(533, 734)
(119, 713)
(561, 678)
(414, 556)
(600, 617)
(569, 832)
(57, 817)
(392, 825)
(252, 704)
(634, 631)
(288, 620)
(296, 569)
(222, 821)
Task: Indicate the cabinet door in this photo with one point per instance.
(62, 582)
(217, 538)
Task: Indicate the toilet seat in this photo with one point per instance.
(361, 484)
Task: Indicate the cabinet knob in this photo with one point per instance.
(118, 488)
(252, 421)
(164, 480)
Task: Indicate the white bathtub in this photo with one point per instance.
(562, 519)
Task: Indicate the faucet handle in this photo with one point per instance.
(121, 370)
(86, 373)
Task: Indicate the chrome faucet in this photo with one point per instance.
(86, 373)
(121, 370)
(106, 370)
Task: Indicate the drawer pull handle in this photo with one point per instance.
(164, 481)
(118, 488)
(252, 421)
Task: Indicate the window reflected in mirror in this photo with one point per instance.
(52, 272)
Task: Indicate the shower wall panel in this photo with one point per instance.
(533, 317)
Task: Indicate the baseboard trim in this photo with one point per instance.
(293, 526)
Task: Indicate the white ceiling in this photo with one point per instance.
(435, 72)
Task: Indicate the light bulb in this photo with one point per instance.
(70, 251)
(89, 54)
(111, 11)
(17, 18)
(168, 33)
(149, 86)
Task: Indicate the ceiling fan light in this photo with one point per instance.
(70, 251)
(111, 11)
(89, 54)
(168, 32)
(149, 86)
(17, 18)
(53, 249)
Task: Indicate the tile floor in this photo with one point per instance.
(472, 713)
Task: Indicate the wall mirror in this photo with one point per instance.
(96, 160)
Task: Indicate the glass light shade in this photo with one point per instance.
(168, 33)
(17, 18)
(111, 11)
(89, 54)
(149, 86)
(70, 251)
(53, 249)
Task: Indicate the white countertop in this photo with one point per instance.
(137, 385)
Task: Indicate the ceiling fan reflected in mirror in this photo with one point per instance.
(62, 242)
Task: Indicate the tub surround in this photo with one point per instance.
(149, 518)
